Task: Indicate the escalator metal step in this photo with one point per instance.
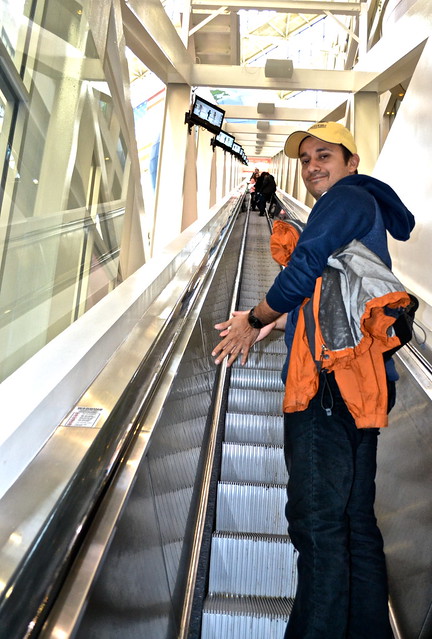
(251, 401)
(259, 464)
(256, 378)
(248, 300)
(262, 359)
(251, 508)
(254, 429)
(253, 564)
(245, 617)
(273, 344)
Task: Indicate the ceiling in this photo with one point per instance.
(236, 54)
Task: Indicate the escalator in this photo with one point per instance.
(252, 576)
(189, 538)
(247, 570)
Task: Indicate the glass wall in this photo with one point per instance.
(64, 175)
(148, 95)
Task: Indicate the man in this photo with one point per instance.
(265, 188)
(342, 582)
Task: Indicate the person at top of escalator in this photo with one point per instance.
(252, 187)
(330, 443)
(265, 188)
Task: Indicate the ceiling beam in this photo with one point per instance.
(251, 137)
(221, 76)
(152, 37)
(284, 6)
(274, 136)
(397, 72)
(350, 32)
(209, 18)
(239, 112)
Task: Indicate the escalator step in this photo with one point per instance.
(254, 429)
(245, 617)
(253, 564)
(251, 508)
(273, 344)
(261, 359)
(256, 378)
(260, 464)
(251, 401)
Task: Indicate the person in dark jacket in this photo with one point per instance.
(265, 188)
(342, 582)
(252, 188)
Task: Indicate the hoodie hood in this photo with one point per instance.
(398, 220)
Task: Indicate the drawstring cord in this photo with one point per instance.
(326, 387)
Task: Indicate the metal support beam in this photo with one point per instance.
(209, 18)
(153, 38)
(365, 117)
(237, 112)
(285, 6)
(301, 80)
(341, 24)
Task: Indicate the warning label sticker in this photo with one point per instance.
(84, 417)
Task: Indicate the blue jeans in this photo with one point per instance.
(342, 579)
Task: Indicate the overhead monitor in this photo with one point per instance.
(236, 148)
(205, 114)
(225, 139)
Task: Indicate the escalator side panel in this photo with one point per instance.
(170, 478)
(403, 506)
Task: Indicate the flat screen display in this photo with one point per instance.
(207, 115)
(225, 139)
(236, 148)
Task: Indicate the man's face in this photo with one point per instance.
(323, 164)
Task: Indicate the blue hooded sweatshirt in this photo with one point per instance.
(356, 207)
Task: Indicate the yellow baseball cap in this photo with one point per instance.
(326, 131)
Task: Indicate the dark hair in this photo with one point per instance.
(347, 155)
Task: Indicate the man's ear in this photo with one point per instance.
(353, 163)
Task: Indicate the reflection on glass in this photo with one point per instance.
(2, 111)
(64, 184)
(148, 101)
(12, 27)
